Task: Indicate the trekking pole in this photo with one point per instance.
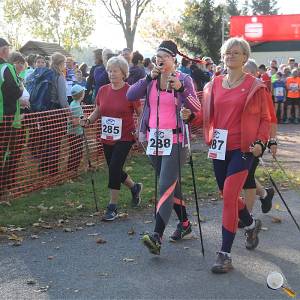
(156, 142)
(178, 153)
(194, 183)
(279, 193)
(90, 165)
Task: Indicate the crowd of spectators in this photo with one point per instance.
(18, 72)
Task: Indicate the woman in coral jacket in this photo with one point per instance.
(236, 124)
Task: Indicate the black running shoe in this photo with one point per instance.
(252, 236)
(136, 191)
(152, 242)
(111, 213)
(181, 232)
(223, 264)
(241, 224)
(266, 203)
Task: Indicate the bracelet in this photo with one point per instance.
(272, 142)
(263, 146)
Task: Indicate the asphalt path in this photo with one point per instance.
(71, 265)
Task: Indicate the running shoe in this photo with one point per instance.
(241, 224)
(111, 213)
(181, 232)
(136, 191)
(252, 235)
(266, 203)
(152, 242)
(223, 264)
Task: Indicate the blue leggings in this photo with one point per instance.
(231, 175)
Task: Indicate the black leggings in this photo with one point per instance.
(115, 156)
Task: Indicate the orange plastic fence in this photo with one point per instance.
(43, 153)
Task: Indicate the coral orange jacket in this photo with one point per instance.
(255, 120)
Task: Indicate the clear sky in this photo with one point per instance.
(109, 34)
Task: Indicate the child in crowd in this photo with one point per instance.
(75, 131)
(293, 96)
(279, 94)
(40, 62)
(79, 79)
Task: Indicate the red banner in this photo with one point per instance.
(266, 28)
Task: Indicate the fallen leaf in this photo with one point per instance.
(46, 226)
(277, 206)
(90, 224)
(131, 231)
(123, 215)
(42, 207)
(103, 274)
(14, 237)
(100, 241)
(3, 229)
(97, 213)
(128, 259)
(276, 220)
(43, 289)
(17, 229)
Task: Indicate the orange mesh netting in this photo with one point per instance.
(43, 152)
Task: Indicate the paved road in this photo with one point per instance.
(83, 269)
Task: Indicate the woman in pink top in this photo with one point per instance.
(175, 89)
(236, 122)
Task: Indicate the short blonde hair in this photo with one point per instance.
(120, 62)
(235, 41)
(56, 60)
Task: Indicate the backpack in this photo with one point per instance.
(41, 85)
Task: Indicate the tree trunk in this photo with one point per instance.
(129, 40)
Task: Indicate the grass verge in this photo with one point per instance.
(75, 198)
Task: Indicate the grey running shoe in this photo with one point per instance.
(152, 242)
(111, 213)
(136, 194)
(223, 264)
(266, 203)
(252, 236)
(181, 232)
